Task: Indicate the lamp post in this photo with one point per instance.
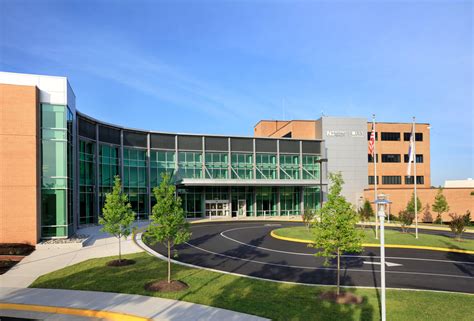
(381, 203)
(321, 161)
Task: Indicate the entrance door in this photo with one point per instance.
(242, 209)
(217, 208)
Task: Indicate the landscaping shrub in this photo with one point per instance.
(406, 219)
(457, 224)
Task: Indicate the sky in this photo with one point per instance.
(218, 67)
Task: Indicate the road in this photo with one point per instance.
(247, 248)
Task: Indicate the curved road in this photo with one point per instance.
(247, 248)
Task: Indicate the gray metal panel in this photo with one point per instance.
(241, 144)
(134, 139)
(289, 146)
(265, 145)
(193, 143)
(311, 147)
(162, 141)
(86, 128)
(217, 144)
(109, 135)
(345, 140)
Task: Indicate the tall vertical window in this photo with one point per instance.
(290, 201)
(109, 163)
(311, 198)
(135, 180)
(217, 165)
(266, 200)
(310, 167)
(161, 162)
(192, 201)
(190, 164)
(242, 166)
(266, 166)
(289, 167)
(56, 171)
(87, 182)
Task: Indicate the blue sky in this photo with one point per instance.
(221, 66)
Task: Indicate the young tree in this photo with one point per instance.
(336, 232)
(457, 225)
(440, 205)
(308, 216)
(366, 212)
(427, 217)
(467, 218)
(117, 216)
(406, 219)
(411, 204)
(169, 225)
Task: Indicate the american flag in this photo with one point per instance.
(372, 141)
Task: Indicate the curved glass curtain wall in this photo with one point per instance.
(142, 167)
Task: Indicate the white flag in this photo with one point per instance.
(411, 152)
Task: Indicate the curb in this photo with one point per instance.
(114, 316)
(394, 246)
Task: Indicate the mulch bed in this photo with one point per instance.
(123, 262)
(6, 265)
(164, 286)
(342, 298)
(16, 249)
(12, 253)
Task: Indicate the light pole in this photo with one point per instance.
(321, 161)
(381, 203)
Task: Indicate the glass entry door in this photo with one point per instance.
(242, 209)
(217, 208)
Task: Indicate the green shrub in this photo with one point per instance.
(406, 219)
(457, 225)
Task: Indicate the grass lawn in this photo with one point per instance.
(391, 237)
(263, 298)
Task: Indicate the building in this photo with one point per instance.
(459, 183)
(57, 164)
(346, 143)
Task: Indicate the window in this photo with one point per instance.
(266, 166)
(419, 158)
(217, 165)
(418, 137)
(289, 167)
(376, 135)
(390, 136)
(371, 158)
(391, 180)
(372, 180)
(190, 164)
(409, 180)
(310, 167)
(242, 166)
(390, 158)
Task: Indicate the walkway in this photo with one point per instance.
(113, 306)
(43, 261)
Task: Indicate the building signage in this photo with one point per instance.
(342, 133)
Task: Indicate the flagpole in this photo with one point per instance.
(414, 173)
(375, 176)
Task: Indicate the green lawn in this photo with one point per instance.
(391, 237)
(264, 298)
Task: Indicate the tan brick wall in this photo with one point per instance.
(300, 129)
(19, 181)
(401, 147)
(459, 199)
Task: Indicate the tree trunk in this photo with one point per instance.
(169, 263)
(120, 249)
(338, 273)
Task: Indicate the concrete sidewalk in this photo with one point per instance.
(130, 305)
(43, 261)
